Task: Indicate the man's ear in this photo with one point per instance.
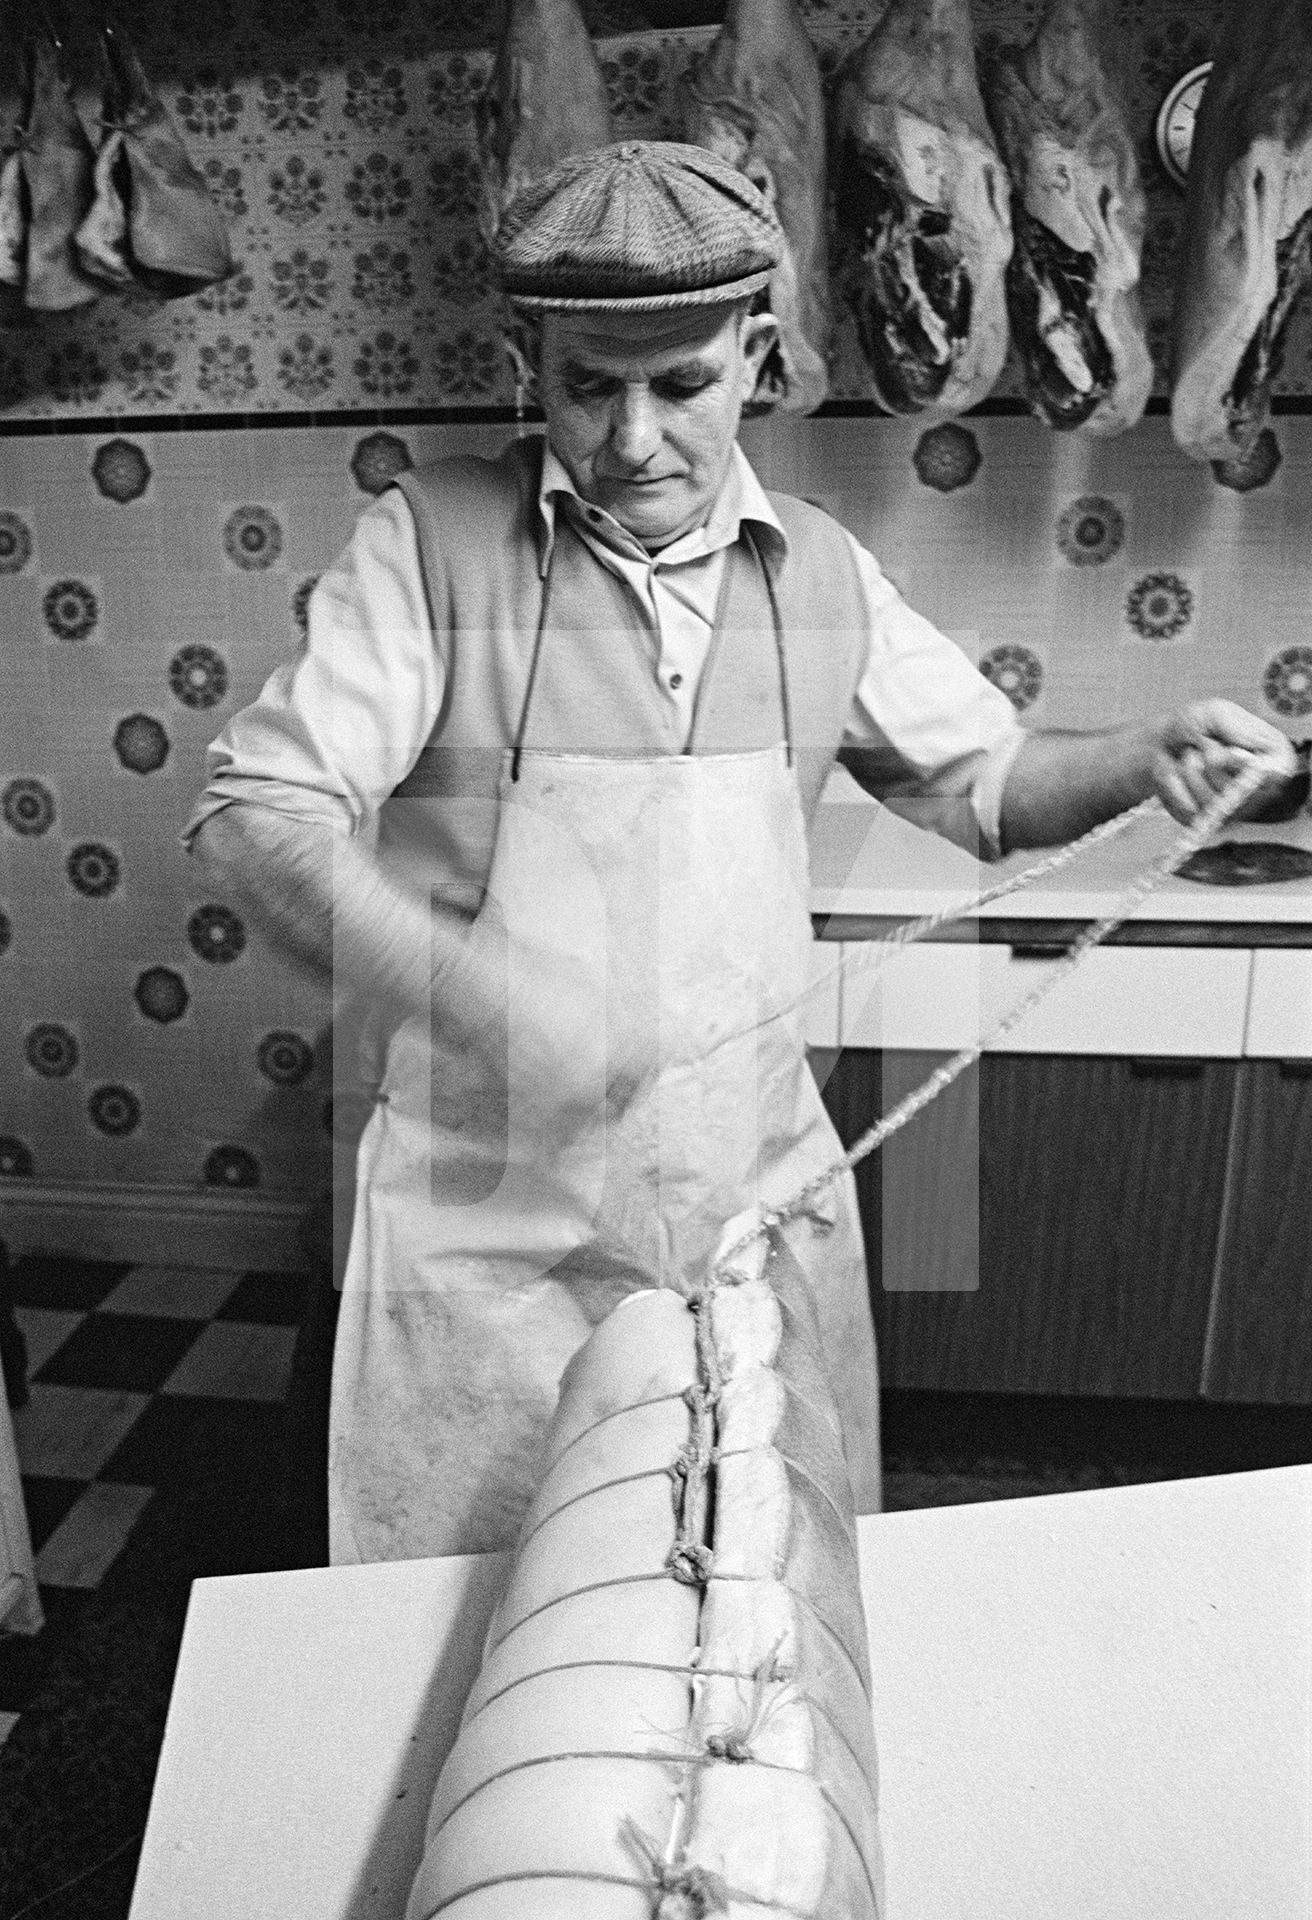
(521, 336)
(760, 331)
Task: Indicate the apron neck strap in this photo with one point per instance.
(544, 609)
(777, 625)
(721, 608)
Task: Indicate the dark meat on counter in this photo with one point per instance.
(1246, 255)
(922, 210)
(1247, 863)
(755, 98)
(545, 100)
(1079, 214)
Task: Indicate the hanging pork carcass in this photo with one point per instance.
(545, 100)
(922, 210)
(1078, 212)
(1246, 252)
(756, 98)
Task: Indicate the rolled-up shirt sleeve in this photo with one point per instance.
(928, 734)
(339, 726)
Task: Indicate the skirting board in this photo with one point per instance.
(155, 1226)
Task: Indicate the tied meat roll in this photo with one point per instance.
(1246, 254)
(1078, 213)
(673, 1717)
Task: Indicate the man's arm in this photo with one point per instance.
(321, 896)
(1061, 784)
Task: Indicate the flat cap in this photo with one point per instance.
(636, 227)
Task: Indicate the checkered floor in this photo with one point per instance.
(136, 1376)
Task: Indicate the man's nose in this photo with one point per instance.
(635, 431)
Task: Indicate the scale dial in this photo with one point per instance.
(1176, 118)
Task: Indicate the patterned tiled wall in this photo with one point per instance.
(150, 578)
(148, 583)
(341, 145)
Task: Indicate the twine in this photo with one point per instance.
(909, 930)
(1207, 822)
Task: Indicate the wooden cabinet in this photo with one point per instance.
(1261, 1339)
(1049, 1225)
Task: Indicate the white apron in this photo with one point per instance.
(654, 914)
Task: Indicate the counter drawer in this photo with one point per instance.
(1121, 1000)
(1280, 1010)
(820, 1015)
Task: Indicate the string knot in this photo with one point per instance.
(689, 1893)
(690, 1563)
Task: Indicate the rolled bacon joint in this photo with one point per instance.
(1079, 214)
(673, 1719)
(1246, 254)
(755, 97)
(922, 210)
(545, 100)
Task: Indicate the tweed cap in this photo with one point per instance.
(637, 227)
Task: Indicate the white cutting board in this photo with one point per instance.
(1092, 1706)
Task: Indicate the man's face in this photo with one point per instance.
(642, 409)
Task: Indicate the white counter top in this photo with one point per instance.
(1089, 1704)
(866, 861)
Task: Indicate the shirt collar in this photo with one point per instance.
(742, 497)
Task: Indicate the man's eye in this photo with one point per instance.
(681, 389)
(589, 388)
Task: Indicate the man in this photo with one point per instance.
(540, 781)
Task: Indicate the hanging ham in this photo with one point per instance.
(922, 210)
(151, 217)
(756, 99)
(545, 100)
(1246, 254)
(14, 90)
(1079, 213)
(56, 187)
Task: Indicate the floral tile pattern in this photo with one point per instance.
(190, 1052)
(93, 869)
(216, 934)
(120, 471)
(1091, 530)
(198, 676)
(28, 807)
(71, 609)
(341, 148)
(1287, 682)
(1159, 606)
(946, 457)
(1018, 672)
(141, 743)
(161, 994)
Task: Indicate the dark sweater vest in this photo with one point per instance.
(596, 693)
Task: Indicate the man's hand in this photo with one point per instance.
(1202, 747)
(1061, 784)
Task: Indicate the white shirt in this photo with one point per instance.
(936, 733)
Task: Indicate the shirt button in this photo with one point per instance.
(676, 681)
